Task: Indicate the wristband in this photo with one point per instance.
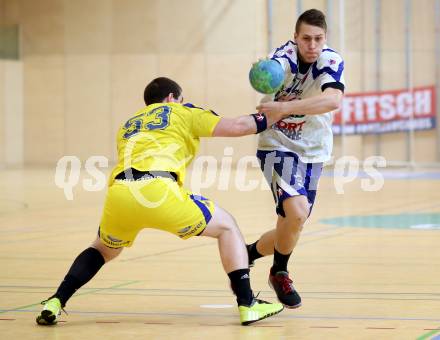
(261, 121)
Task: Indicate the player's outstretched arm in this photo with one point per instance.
(245, 125)
(328, 100)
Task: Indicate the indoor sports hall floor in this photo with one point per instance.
(367, 266)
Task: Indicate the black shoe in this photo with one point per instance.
(283, 287)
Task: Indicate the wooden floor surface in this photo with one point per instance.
(358, 280)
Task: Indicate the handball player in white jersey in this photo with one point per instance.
(292, 151)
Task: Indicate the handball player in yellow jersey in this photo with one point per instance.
(155, 147)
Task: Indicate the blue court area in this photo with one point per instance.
(421, 221)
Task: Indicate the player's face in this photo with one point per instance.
(310, 40)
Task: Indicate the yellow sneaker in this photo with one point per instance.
(258, 310)
(50, 313)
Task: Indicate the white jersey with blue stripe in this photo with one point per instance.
(309, 136)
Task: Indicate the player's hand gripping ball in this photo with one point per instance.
(266, 76)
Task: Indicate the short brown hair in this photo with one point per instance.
(312, 17)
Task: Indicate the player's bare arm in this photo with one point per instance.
(243, 125)
(329, 100)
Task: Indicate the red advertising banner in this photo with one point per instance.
(386, 111)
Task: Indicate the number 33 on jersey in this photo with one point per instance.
(168, 131)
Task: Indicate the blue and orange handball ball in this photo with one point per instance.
(266, 76)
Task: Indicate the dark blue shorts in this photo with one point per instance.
(287, 176)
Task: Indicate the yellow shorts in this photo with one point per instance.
(158, 203)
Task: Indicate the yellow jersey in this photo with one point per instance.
(163, 137)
